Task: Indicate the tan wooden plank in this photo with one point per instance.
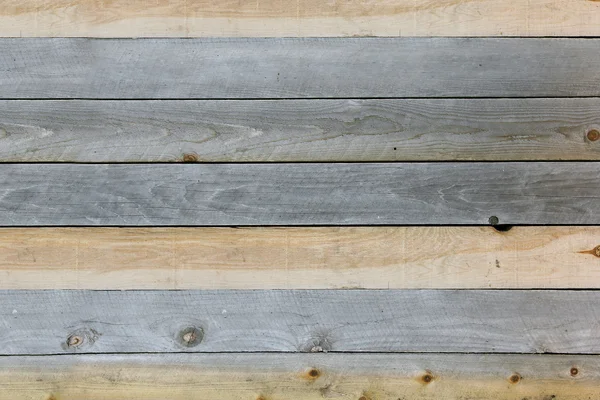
(300, 130)
(295, 377)
(310, 258)
(194, 18)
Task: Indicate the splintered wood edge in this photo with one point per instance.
(300, 258)
(307, 376)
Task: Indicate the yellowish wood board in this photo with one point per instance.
(196, 18)
(291, 377)
(309, 258)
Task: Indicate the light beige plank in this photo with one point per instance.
(195, 18)
(310, 258)
(295, 377)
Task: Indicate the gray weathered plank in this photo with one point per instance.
(298, 68)
(299, 130)
(302, 194)
(300, 377)
(486, 321)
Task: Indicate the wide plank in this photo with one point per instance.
(300, 130)
(300, 258)
(466, 321)
(300, 194)
(221, 68)
(300, 376)
(193, 18)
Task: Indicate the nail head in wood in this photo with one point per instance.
(574, 371)
(593, 135)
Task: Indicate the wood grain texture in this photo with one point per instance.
(287, 376)
(193, 18)
(480, 321)
(299, 194)
(299, 258)
(298, 68)
(299, 130)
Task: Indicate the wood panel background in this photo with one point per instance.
(273, 200)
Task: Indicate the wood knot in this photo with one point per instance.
(81, 337)
(514, 378)
(312, 374)
(190, 157)
(427, 378)
(190, 336)
(593, 135)
(597, 251)
(574, 371)
(74, 341)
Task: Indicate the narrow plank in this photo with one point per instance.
(300, 194)
(300, 130)
(193, 18)
(298, 68)
(286, 376)
(299, 258)
(481, 321)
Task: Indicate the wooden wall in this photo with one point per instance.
(273, 200)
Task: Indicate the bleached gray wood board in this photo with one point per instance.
(298, 68)
(485, 321)
(299, 194)
(300, 376)
(299, 130)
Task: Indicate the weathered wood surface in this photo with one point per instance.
(481, 321)
(298, 68)
(300, 194)
(300, 376)
(192, 18)
(299, 130)
(299, 258)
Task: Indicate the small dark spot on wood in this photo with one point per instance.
(497, 264)
(314, 373)
(190, 157)
(503, 228)
(52, 397)
(593, 135)
(190, 336)
(494, 220)
(311, 374)
(363, 397)
(394, 148)
(574, 371)
(514, 378)
(261, 398)
(427, 378)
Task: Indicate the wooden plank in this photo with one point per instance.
(298, 68)
(300, 194)
(286, 376)
(300, 130)
(192, 18)
(299, 258)
(480, 321)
